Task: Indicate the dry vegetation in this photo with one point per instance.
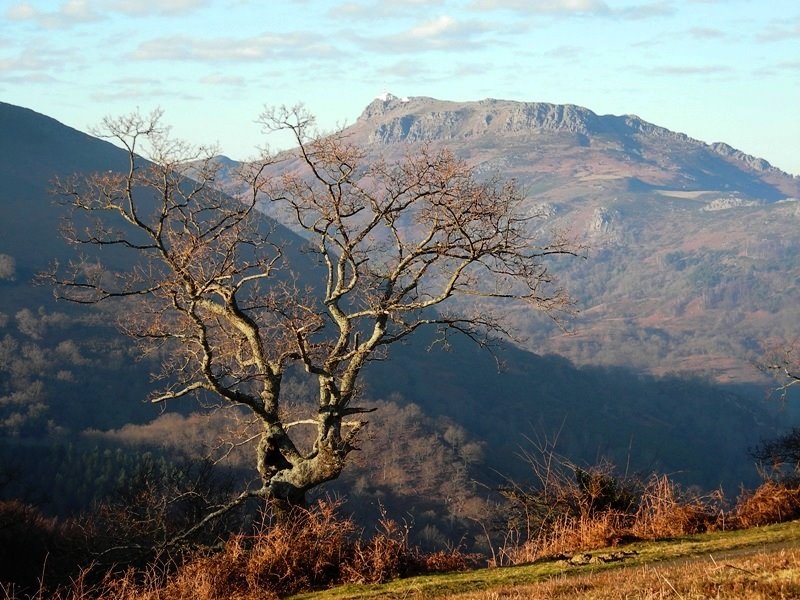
(319, 549)
(596, 509)
(772, 502)
(316, 549)
(762, 576)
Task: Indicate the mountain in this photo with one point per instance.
(34, 150)
(530, 140)
(64, 369)
(692, 253)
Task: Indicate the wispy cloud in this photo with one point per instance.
(565, 7)
(68, 14)
(565, 52)
(162, 7)
(141, 89)
(405, 69)
(292, 46)
(781, 31)
(688, 70)
(74, 12)
(707, 33)
(27, 78)
(592, 8)
(33, 60)
(644, 11)
(440, 33)
(218, 79)
(373, 10)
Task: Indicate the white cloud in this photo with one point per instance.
(435, 27)
(162, 7)
(292, 46)
(69, 13)
(218, 79)
(21, 12)
(380, 9)
(545, 6)
(578, 8)
(78, 10)
(440, 33)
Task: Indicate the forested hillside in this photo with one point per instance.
(691, 247)
(450, 424)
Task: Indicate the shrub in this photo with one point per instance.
(771, 502)
(569, 534)
(665, 512)
(26, 539)
(385, 556)
(313, 549)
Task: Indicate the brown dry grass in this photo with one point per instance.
(319, 549)
(570, 534)
(315, 549)
(660, 510)
(772, 502)
(663, 511)
(762, 576)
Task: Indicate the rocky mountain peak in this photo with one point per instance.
(755, 163)
(419, 118)
(381, 105)
(611, 147)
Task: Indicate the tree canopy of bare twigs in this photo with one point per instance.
(215, 290)
(784, 364)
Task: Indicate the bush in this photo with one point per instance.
(26, 539)
(316, 548)
(771, 502)
(665, 512)
(577, 509)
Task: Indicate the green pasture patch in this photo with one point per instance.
(446, 584)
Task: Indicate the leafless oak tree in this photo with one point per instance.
(783, 363)
(217, 291)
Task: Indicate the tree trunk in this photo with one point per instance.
(285, 509)
(287, 481)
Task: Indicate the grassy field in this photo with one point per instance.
(756, 563)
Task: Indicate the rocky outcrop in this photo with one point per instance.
(565, 138)
(755, 163)
(420, 118)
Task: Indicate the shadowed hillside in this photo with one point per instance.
(692, 247)
(65, 369)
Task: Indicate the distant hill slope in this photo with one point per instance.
(61, 365)
(568, 140)
(693, 252)
(66, 369)
(34, 149)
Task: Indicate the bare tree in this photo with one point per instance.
(216, 288)
(780, 457)
(783, 363)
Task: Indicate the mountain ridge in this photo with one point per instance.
(685, 238)
(73, 372)
(391, 120)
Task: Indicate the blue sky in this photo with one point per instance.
(716, 70)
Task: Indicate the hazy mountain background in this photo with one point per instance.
(692, 247)
(692, 264)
